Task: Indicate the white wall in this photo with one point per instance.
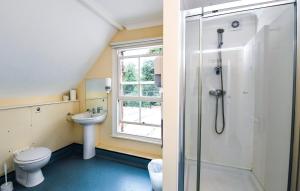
(238, 134)
(273, 63)
(46, 47)
(237, 139)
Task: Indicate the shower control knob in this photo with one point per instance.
(217, 92)
(218, 70)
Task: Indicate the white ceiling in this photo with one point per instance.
(47, 46)
(134, 13)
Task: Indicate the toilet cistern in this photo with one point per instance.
(88, 121)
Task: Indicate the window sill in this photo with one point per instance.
(137, 138)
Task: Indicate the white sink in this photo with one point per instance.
(88, 121)
(87, 118)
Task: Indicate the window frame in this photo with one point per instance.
(117, 97)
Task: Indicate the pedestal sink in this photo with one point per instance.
(88, 121)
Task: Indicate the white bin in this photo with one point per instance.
(155, 171)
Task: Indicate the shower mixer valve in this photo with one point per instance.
(218, 69)
(217, 92)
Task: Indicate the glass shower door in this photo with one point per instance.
(239, 87)
(192, 104)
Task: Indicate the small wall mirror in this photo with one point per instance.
(95, 95)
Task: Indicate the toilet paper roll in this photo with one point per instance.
(73, 95)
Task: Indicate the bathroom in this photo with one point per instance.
(57, 62)
(140, 95)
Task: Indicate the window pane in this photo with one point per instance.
(141, 51)
(150, 90)
(151, 113)
(147, 68)
(134, 52)
(130, 90)
(129, 69)
(140, 130)
(148, 86)
(130, 111)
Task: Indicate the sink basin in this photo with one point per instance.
(88, 118)
(88, 121)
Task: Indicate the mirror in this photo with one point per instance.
(95, 95)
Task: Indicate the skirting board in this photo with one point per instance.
(77, 149)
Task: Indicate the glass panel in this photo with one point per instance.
(130, 111)
(247, 73)
(141, 130)
(147, 68)
(95, 95)
(130, 90)
(142, 51)
(149, 88)
(129, 69)
(191, 106)
(151, 113)
(129, 77)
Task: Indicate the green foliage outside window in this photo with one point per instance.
(130, 74)
(147, 74)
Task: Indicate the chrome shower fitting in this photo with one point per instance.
(217, 92)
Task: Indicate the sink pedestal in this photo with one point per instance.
(88, 121)
(88, 142)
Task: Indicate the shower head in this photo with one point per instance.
(220, 37)
(220, 31)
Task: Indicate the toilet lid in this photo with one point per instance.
(33, 154)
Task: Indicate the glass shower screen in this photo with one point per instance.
(239, 87)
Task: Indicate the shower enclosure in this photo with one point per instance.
(238, 83)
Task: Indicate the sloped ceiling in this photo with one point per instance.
(47, 46)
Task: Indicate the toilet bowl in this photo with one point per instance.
(28, 164)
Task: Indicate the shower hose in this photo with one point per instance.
(221, 92)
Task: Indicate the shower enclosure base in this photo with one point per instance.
(221, 178)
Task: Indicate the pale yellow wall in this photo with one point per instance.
(171, 60)
(25, 127)
(29, 100)
(102, 69)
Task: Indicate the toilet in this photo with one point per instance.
(28, 164)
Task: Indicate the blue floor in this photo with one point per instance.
(97, 174)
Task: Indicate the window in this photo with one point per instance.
(139, 99)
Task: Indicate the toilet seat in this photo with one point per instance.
(32, 155)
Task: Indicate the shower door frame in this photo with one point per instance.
(188, 14)
(227, 8)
